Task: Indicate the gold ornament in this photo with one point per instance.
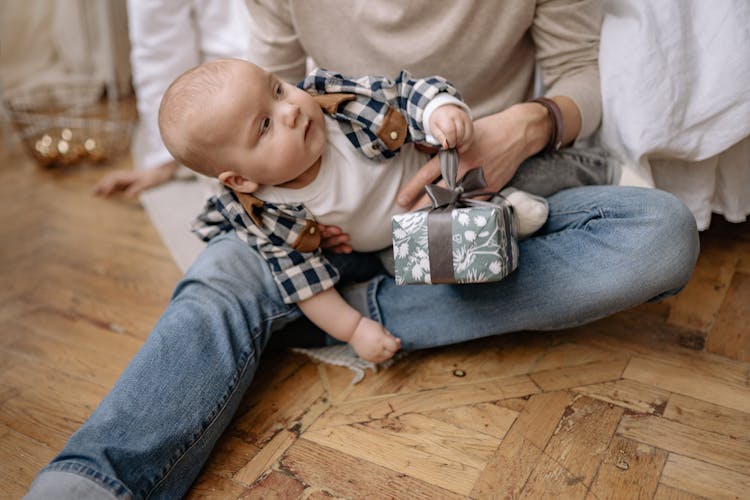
(41, 153)
(63, 147)
(44, 151)
(94, 152)
(67, 151)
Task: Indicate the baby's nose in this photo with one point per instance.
(291, 114)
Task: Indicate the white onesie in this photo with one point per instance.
(353, 192)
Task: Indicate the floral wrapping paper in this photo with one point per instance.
(483, 245)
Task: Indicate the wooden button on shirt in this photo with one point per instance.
(309, 239)
(393, 130)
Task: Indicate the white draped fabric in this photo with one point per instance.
(676, 98)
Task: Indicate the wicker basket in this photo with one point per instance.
(70, 123)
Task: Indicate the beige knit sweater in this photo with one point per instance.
(487, 48)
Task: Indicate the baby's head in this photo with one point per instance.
(232, 120)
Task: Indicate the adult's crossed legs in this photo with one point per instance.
(602, 250)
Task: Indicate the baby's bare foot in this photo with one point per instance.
(372, 342)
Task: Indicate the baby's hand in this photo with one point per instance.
(452, 126)
(372, 342)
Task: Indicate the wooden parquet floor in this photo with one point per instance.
(653, 402)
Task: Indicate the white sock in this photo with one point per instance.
(631, 174)
(530, 211)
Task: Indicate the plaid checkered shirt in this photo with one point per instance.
(300, 275)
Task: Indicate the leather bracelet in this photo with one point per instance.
(555, 115)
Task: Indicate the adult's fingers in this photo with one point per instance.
(110, 183)
(134, 188)
(414, 188)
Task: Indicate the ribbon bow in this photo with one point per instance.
(457, 194)
(439, 218)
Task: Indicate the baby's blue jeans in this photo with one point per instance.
(603, 249)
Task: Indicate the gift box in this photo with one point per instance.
(459, 239)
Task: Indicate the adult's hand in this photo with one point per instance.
(501, 142)
(132, 182)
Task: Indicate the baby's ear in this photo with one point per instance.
(237, 182)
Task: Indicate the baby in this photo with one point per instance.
(286, 166)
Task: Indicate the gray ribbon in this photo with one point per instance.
(444, 200)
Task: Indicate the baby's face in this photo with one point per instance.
(266, 130)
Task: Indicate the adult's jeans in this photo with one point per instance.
(602, 250)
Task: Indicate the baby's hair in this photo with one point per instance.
(179, 112)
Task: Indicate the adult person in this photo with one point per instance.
(168, 37)
(603, 249)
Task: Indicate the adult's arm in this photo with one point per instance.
(274, 44)
(566, 36)
(164, 43)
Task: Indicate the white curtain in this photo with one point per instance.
(61, 40)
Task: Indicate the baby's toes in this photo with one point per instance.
(391, 344)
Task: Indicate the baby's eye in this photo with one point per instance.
(278, 90)
(264, 125)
